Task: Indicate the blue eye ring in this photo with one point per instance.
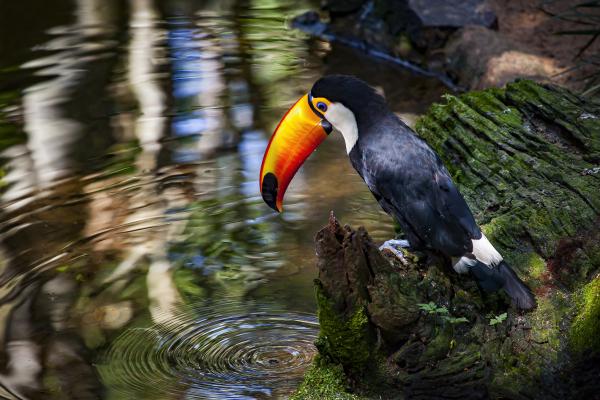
(322, 106)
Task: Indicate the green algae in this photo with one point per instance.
(345, 341)
(585, 329)
(324, 381)
(439, 346)
(531, 262)
(345, 347)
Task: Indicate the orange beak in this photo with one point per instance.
(298, 134)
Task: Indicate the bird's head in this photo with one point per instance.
(335, 101)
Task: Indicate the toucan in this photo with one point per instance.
(405, 175)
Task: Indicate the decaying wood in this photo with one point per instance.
(524, 157)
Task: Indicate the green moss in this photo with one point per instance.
(439, 347)
(324, 381)
(403, 45)
(345, 344)
(585, 329)
(522, 357)
(587, 260)
(545, 322)
(527, 192)
(348, 342)
(529, 265)
(590, 260)
(466, 301)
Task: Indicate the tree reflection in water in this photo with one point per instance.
(131, 134)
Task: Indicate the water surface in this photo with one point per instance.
(137, 259)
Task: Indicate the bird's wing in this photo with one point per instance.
(454, 203)
(408, 177)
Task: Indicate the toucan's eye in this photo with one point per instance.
(322, 106)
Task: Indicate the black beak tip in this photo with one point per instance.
(269, 190)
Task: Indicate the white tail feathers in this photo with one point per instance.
(485, 252)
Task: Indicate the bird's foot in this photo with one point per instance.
(396, 243)
(393, 247)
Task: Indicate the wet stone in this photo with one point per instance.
(452, 13)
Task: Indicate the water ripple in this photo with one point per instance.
(233, 351)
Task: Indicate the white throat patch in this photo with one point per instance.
(343, 120)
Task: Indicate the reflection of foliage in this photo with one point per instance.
(221, 232)
(221, 243)
(586, 15)
(10, 134)
(187, 283)
(123, 156)
(276, 55)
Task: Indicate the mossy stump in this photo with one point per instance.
(526, 158)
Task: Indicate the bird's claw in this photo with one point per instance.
(391, 246)
(397, 243)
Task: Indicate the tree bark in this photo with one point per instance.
(526, 159)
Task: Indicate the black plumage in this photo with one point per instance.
(411, 183)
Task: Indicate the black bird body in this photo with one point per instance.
(405, 175)
(410, 183)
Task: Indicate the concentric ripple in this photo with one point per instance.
(215, 351)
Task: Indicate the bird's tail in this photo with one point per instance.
(515, 288)
(503, 277)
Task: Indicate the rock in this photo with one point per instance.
(343, 6)
(439, 38)
(452, 13)
(478, 58)
(426, 22)
(310, 22)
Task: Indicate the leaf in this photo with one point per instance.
(441, 310)
(498, 319)
(62, 268)
(454, 320)
(429, 307)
